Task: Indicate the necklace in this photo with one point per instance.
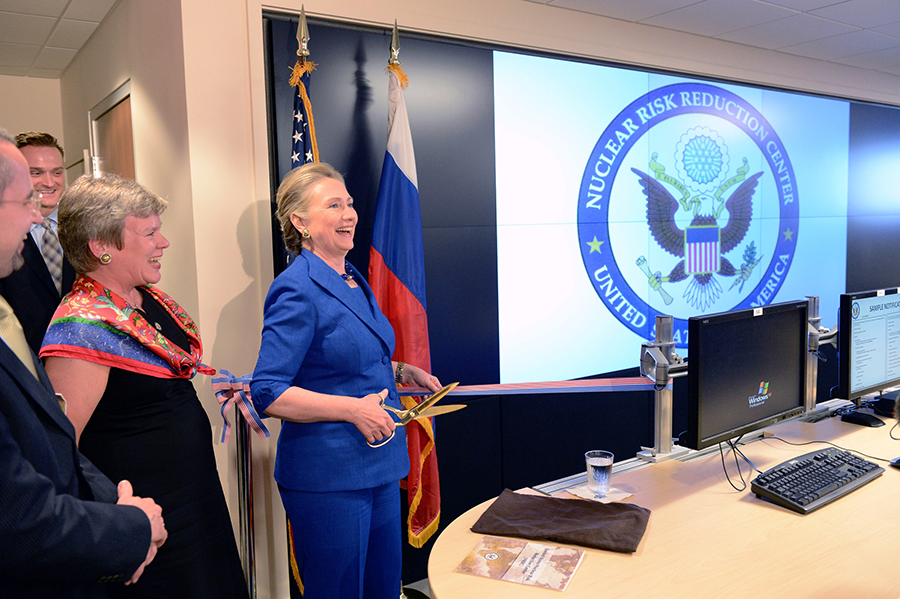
(345, 276)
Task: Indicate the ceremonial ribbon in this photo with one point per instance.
(576, 386)
(236, 390)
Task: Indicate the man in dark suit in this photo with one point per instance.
(64, 527)
(33, 291)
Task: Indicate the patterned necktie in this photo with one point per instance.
(11, 331)
(52, 254)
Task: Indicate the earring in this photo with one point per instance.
(105, 258)
(305, 234)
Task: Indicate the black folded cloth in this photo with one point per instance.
(610, 526)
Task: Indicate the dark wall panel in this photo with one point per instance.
(545, 436)
(873, 208)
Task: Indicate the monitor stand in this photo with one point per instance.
(857, 416)
(883, 405)
(861, 418)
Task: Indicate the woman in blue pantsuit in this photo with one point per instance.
(324, 367)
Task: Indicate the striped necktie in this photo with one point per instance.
(52, 254)
(11, 331)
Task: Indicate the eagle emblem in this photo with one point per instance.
(722, 219)
(702, 245)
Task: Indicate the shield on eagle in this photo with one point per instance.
(701, 250)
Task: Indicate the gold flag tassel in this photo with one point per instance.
(401, 74)
(304, 67)
(295, 570)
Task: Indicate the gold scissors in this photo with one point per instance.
(424, 409)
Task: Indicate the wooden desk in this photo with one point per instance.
(705, 539)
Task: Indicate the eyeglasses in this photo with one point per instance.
(33, 201)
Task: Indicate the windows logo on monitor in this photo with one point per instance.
(761, 396)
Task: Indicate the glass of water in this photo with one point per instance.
(599, 469)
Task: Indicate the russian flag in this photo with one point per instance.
(397, 277)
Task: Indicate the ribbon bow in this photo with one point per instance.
(236, 390)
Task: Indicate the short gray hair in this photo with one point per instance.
(294, 197)
(7, 168)
(96, 208)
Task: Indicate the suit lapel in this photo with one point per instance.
(69, 275)
(40, 392)
(35, 261)
(325, 276)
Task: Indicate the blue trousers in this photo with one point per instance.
(347, 543)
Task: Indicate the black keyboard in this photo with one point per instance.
(810, 481)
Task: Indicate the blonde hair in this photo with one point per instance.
(294, 196)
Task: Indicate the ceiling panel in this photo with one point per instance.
(632, 10)
(841, 46)
(791, 31)
(71, 34)
(44, 73)
(18, 55)
(46, 8)
(52, 24)
(15, 71)
(892, 29)
(17, 28)
(862, 13)
(889, 57)
(88, 10)
(804, 5)
(891, 70)
(55, 59)
(712, 18)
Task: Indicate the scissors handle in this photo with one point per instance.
(383, 442)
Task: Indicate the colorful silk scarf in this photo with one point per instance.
(94, 324)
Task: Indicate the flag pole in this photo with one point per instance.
(397, 279)
(245, 500)
(302, 105)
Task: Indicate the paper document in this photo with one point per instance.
(524, 562)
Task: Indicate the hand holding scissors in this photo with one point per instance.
(422, 410)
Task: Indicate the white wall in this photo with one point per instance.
(32, 104)
(198, 101)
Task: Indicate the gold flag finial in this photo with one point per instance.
(394, 62)
(303, 66)
(395, 45)
(302, 35)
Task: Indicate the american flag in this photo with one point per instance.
(701, 250)
(303, 146)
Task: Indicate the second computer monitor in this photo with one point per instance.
(869, 342)
(746, 371)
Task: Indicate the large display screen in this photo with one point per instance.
(869, 339)
(622, 195)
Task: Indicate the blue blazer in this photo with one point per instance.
(319, 336)
(60, 530)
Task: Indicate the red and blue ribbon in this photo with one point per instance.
(230, 390)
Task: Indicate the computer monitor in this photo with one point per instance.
(868, 343)
(746, 371)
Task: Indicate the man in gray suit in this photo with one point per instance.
(64, 527)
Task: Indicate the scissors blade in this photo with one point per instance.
(437, 411)
(414, 412)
